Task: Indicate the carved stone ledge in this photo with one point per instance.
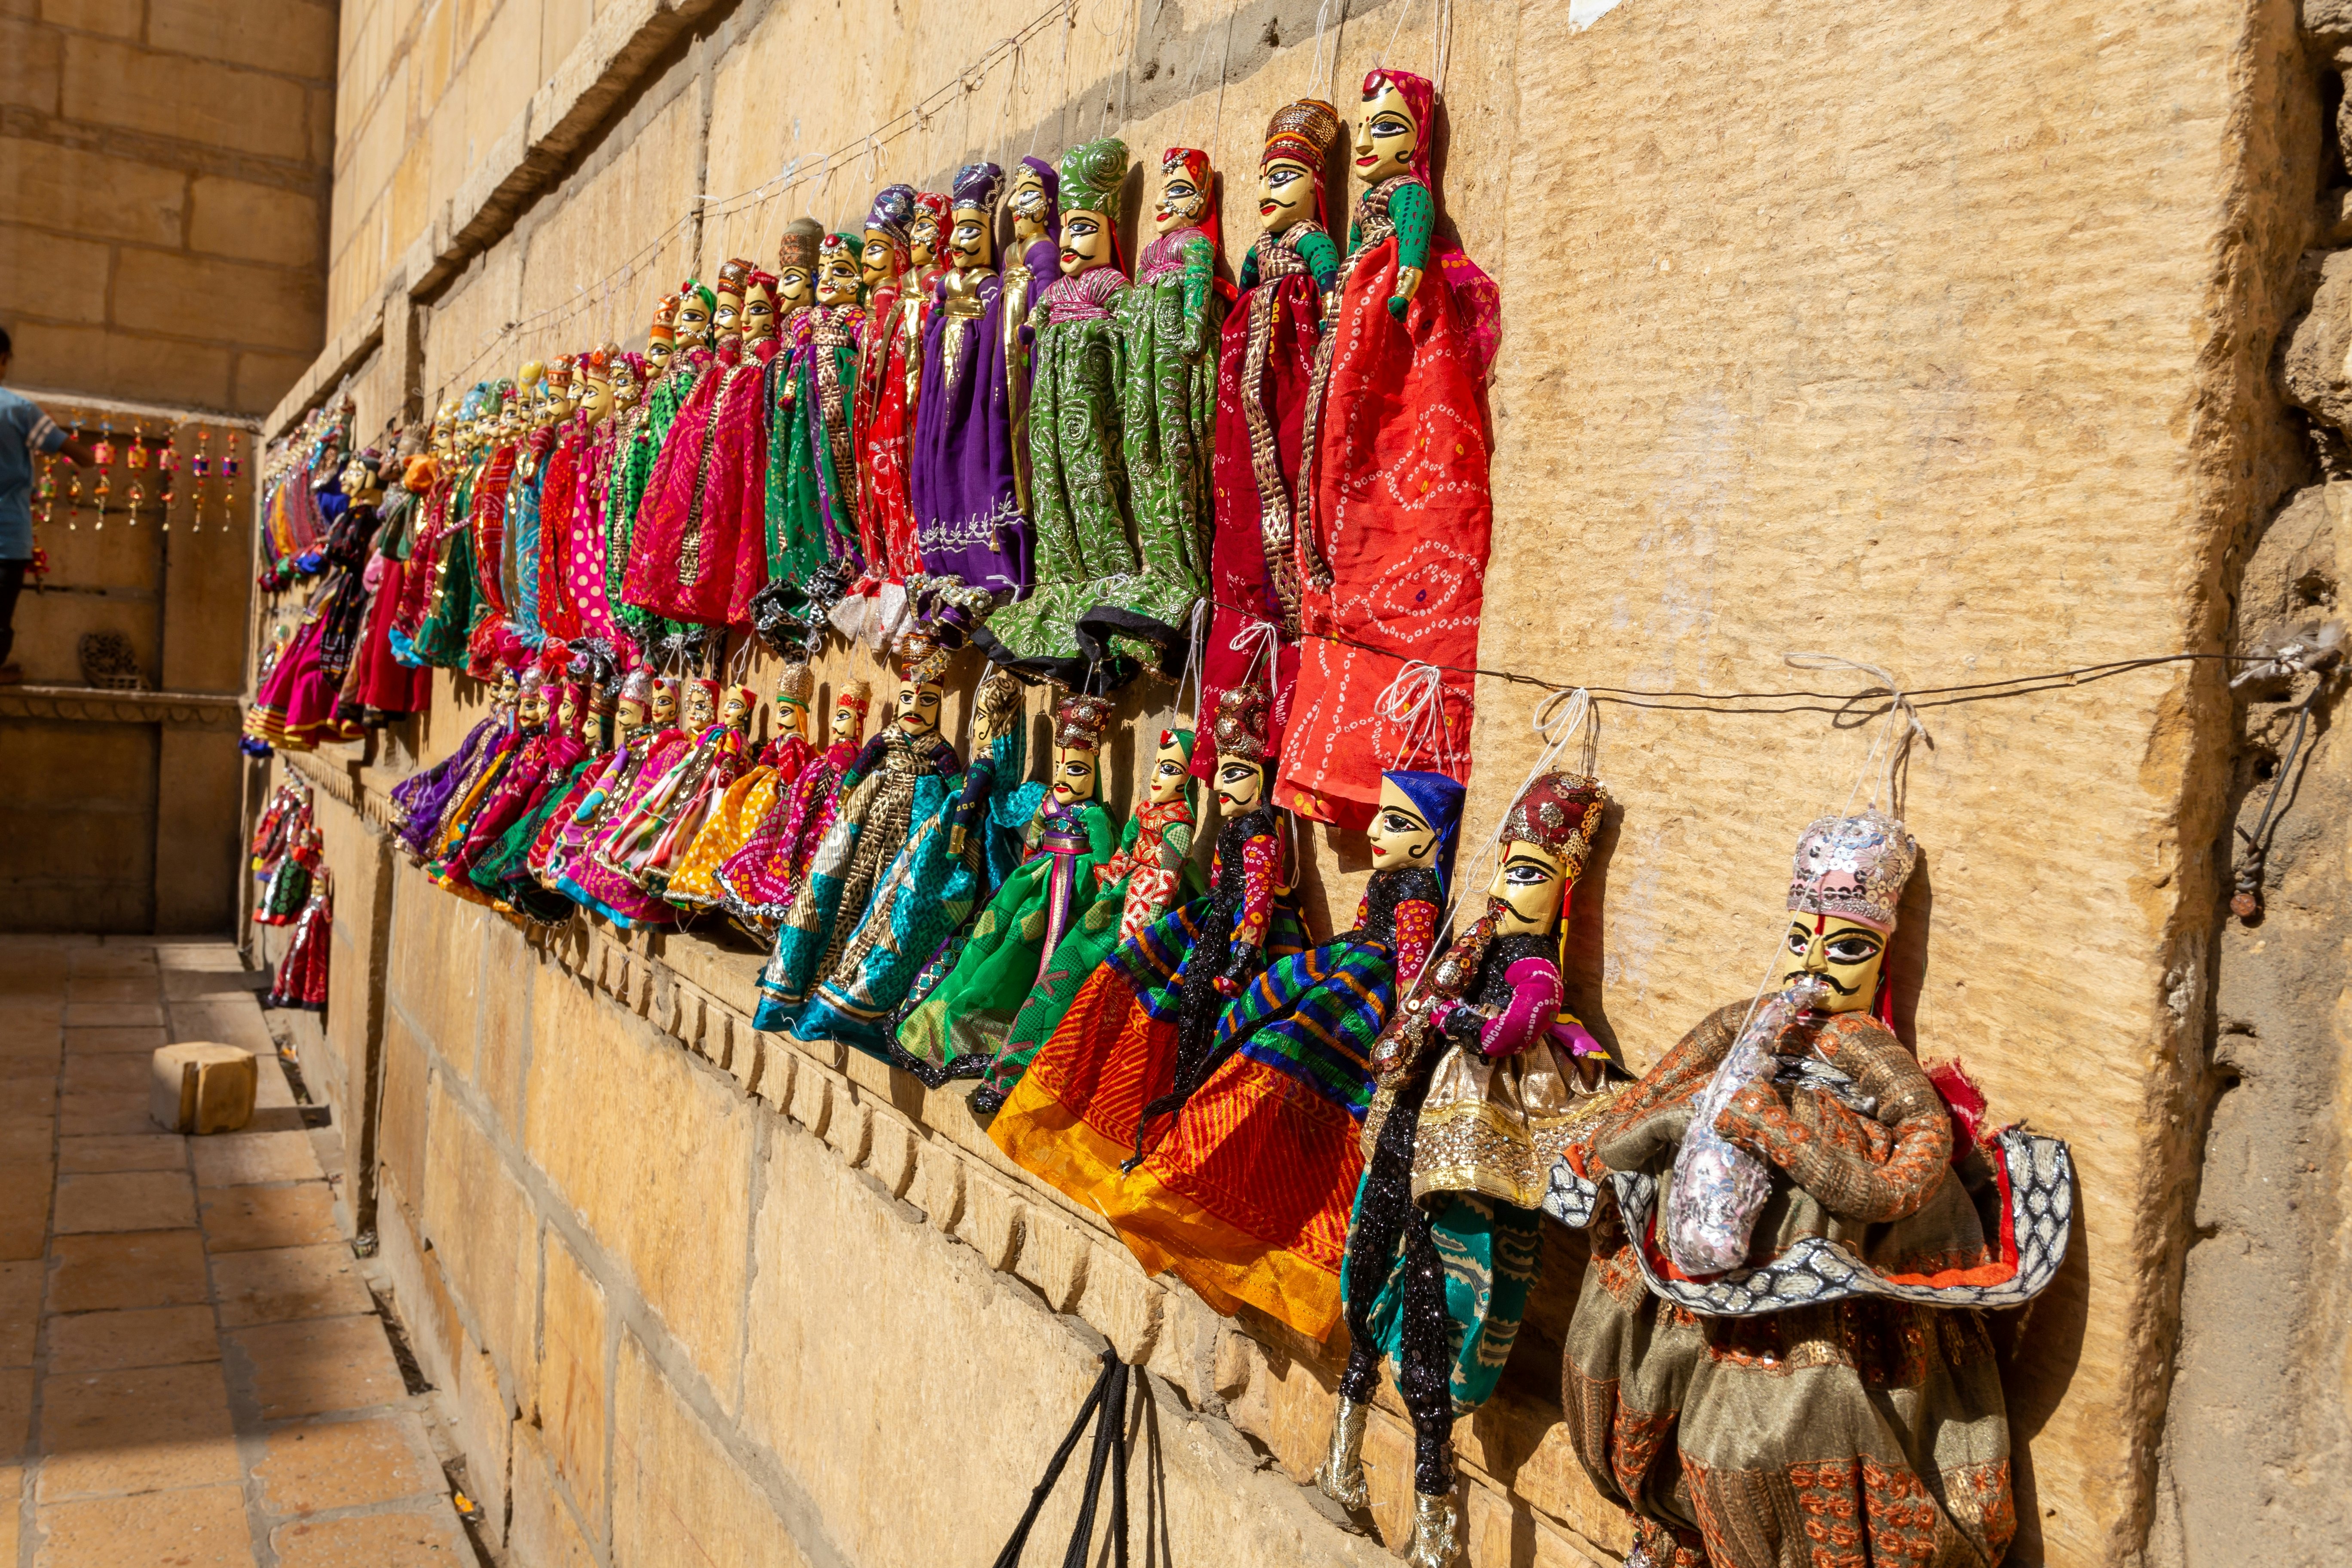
(102, 705)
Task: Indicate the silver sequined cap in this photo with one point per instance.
(1854, 868)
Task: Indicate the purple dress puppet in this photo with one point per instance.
(967, 514)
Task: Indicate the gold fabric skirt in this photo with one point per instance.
(1495, 1125)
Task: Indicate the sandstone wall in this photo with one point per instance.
(163, 175)
(1938, 341)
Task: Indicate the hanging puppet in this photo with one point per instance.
(1068, 834)
(1246, 1196)
(882, 418)
(1393, 510)
(1168, 322)
(758, 881)
(1139, 1038)
(1795, 1228)
(931, 885)
(1077, 479)
(751, 797)
(1474, 1104)
(812, 533)
(1264, 368)
(1139, 882)
(872, 823)
(974, 539)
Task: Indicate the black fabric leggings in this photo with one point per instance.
(1392, 1233)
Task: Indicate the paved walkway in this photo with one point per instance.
(192, 1369)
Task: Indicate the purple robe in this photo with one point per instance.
(967, 517)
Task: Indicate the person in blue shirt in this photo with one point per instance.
(25, 432)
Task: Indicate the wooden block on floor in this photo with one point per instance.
(200, 1087)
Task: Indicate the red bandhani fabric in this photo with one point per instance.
(1397, 535)
(379, 680)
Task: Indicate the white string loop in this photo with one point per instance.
(1414, 706)
(1256, 641)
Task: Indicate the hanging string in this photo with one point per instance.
(1444, 46)
(1185, 121)
(1900, 727)
(1256, 641)
(1414, 706)
(1225, 73)
(1386, 49)
(1318, 76)
(1196, 636)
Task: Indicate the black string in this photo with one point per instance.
(1673, 699)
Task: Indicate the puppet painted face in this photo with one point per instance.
(735, 713)
(918, 707)
(726, 316)
(1401, 836)
(791, 717)
(354, 481)
(837, 279)
(848, 723)
(1240, 785)
(1386, 135)
(625, 389)
(1086, 242)
(1170, 768)
(665, 709)
(1029, 204)
(629, 718)
(1844, 955)
(693, 328)
(567, 712)
(509, 689)
(595, 393)
(533, 708)
(759, 314)
(1181, 202)
(1074, 771)
(1285, 194)
(700, 705)
(1529, 883)
(796, 287)
(659, 350)
(923, 241)
(879, 262)
(972, 241)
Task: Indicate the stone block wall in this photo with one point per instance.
(1943, 344)
(164, 179)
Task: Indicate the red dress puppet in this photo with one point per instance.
(1394, 507)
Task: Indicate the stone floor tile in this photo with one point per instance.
(125, 1200)
(110, 989)
(198, 956)
(287, 1282)
(27, 1021)
(109, 962)
(86, 1115)
(26, 976)
(24, 1209)
(113, 1014)
(203, 1528)
(135, 1430)
(231, 1020)
(20, 1317)
(28, 1143)
(16, 1414)
(123, 1152)
(12, 1488)
(29, 1100)
(319, 1464)
(128, 1268)
(133, 1038)
(138, 1336)
(245, 1219)
(116, 1073)
(185, 984)
(241, 1159)
(30, 1061)
(371, 1540)
(316, 1365)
